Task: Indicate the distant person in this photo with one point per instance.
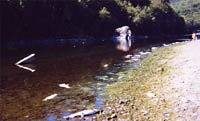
(194, 37)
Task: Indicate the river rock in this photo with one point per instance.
(113, 116)
(122, 38)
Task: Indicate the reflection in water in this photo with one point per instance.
(87, 71)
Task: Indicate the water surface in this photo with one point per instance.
(87, 70)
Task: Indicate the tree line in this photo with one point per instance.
(43, 19)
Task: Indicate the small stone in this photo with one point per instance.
(113, 116)
(105, 66)
(166, 114)
(153, 48)
(165, 45)
(144, 111)
(108, 118)
(151, 95)
(120, 77)
(160, 69)
(122, 102)
(94, 118)
(128, 56)
(137, 56)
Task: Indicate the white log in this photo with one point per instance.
(25, 59)
(50, 97)
(26, 68)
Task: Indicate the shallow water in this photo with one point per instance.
(86, 70)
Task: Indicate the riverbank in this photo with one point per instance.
(163, 87)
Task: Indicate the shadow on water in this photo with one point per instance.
(87, 70)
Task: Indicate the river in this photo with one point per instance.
(87, 70)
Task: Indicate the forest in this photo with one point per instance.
(190, 10)
(44, 19)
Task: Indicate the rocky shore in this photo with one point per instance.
(165, 86)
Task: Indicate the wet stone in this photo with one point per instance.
(123, 101)
(113, 116)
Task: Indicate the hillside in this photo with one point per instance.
(26, 19)
(190, 9)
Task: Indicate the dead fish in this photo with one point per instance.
(135, 59)
(137, 56)
(50, 97)
(153, 48)
(142, 53)
(129, 61)
(105, 66)
(128, 56)
(148, 52)
(165, 45)
(82, 113)
(64, 85)
(120, 77)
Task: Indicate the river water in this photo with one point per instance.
(87, 70)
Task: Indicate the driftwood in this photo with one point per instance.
(50, 97)
(26, 68)
(25, 59)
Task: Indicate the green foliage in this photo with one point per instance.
(190, 10)
(26, 19)
(104, 13)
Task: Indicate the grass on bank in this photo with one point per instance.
(140, 93)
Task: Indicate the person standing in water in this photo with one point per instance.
(194, 37)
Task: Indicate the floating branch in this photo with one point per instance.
(50, 97)
(25, 59)
(26, 68)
